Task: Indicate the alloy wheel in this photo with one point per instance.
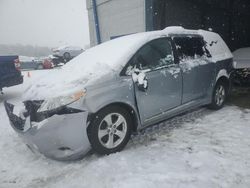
(220, 95)
(112, 130)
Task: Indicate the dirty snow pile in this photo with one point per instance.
(212, 151)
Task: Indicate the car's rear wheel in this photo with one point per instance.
(110, 130)
(219, 95)
(67, 56)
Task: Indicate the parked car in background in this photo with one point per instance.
(67, 52)
(47, 63)
(58, 61)
(29, 63)
(10, 73)
(242, 67)
(130, 83)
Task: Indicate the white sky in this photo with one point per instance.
(49, 23)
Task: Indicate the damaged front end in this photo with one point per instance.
(59, 133)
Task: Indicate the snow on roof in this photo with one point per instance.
(105, 59)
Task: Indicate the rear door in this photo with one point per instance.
(163, 76)
(197, 68)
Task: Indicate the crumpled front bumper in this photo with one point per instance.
(60, 137)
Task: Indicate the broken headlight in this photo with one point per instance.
(54, 103)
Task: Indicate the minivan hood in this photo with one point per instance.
(65, 81)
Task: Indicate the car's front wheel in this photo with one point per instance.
(219, 95)
(110, 130)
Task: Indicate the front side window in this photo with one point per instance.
(155, 54)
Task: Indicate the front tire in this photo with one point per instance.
(110, 130)
(219, 96)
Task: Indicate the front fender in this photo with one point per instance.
(119, 92)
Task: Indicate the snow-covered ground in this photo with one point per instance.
(212, 151)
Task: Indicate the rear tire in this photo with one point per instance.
(219, 97)
(110, 130)
(67, 56)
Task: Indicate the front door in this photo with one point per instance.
(162, 80)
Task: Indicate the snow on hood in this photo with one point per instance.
(102, 60)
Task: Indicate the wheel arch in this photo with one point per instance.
(225, 80)
(133, 113)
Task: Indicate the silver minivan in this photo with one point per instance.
(120, 87)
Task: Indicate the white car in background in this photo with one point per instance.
(67, 52)
(242, 58)
(242, 67)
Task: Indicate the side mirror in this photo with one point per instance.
(140, 79)
(142, 83)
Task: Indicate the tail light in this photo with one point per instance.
(17, 64)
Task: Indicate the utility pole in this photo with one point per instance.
(96, 20)
(230, 24)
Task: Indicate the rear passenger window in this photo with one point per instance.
(189, 47)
